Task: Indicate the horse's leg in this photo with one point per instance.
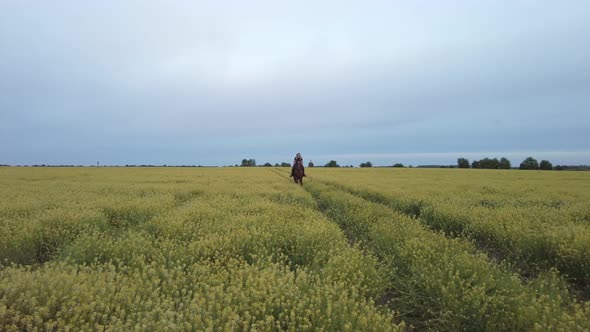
(301, 181)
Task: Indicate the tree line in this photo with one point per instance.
(529, 163)
(331, 163)
(485, 163)
(252, 163)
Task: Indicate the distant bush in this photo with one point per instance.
(529, 163)
(332, 163)
(367, 164)
(248, 162)
(489, 163)
(486, 163)
(505, 163)
(463, 163)
(545, 165)
(398, 165)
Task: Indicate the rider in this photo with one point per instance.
(298, 159)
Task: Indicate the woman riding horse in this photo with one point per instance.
(298, 160)
(298, 171)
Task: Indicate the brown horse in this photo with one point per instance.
(298, 173)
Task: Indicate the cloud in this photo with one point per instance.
(233, 79)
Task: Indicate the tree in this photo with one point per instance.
(248, 162)
(546, 165)
(475, 164)
(332, 163)
(463, 163)
(529, 163)
(489, 163)
(398, 165)
(505, 163)
(367, 164)
(267, 165)
(283, 164)
(310, 164)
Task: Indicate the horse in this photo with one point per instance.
(298, 173)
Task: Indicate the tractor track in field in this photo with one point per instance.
(485, 245)
(351, 240)
(414, 211)
(385, 299)
(388, 295)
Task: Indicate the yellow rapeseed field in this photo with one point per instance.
(245, 249)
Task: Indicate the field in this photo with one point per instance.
(246, 249)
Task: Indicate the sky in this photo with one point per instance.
(215, 82)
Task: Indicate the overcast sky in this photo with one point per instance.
(195, 82)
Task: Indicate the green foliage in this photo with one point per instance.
(248, 162)
(332, 163)
(505, 163)
(489, 163)
(462, 163)
(485, 163)
(398, 165)
(367, 164)
(529, 163)
(545, 165)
